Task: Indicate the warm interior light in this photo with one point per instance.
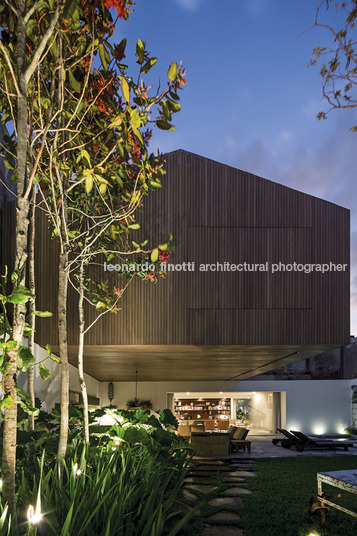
(188, 393)
(32, 516)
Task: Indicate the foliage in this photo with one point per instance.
(354, 394)
(125, 483)
(339, 70)
(20, 295)
(138, 402)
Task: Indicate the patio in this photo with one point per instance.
(262, 447)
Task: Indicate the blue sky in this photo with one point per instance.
(251, 101)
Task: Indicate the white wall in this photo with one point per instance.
(312, 406)
(48, 391)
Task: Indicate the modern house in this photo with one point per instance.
(259, 279)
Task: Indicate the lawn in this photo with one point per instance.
(281, 495)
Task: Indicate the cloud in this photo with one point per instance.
(256, 8)
(190, 5)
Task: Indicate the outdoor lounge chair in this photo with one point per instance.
(239, 441)
(305, 441)
(287, 441)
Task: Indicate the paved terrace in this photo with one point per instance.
(262, 447)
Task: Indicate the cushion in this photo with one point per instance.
(238, 434)
(231, 430)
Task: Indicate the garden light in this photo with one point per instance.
(76, 470)
(32, 516)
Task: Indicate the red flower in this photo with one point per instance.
(164, 256)
(101, 106)
(118, 5)
(150, 277)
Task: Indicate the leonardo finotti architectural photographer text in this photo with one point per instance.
(272, 268)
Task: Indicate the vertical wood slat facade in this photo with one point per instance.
(217, 213)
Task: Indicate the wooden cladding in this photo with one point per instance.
(217, 213)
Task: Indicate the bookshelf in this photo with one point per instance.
(202, 408)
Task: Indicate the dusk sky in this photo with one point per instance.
(251, 100)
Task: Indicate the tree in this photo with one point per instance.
(95, 167)
(62, 109)
(339, 70)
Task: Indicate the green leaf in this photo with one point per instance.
(28, 408)
(166, 110)
(75, 85)
(88, 183)
(44, 372)
(154, 255)
(22, 393)
(102, 57)
(10, 345)
(172, 72)
(135, 119)
(55, 359)
(6, 402)
(85, 155)
(174, 106)
(48, 348)
(24, 358)
(102, 188)
(140, 49)
(155, 184)
(164, 125)
(125, 89)
(69, 8)
(134, 226)
(4, 368)
(20, 294)
(43, 314)
(148, 65)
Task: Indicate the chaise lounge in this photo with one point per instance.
(287, 441)
(304, 441)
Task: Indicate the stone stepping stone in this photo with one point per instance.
(212, 462)
(211, 468)
(240, 466)
(204, 488)
(236, 491)
(198, 480)
(187, 495)
(224, 502)
(200, 475)
(241, 473)
(221, 531)
(232, 480)
(223, 516)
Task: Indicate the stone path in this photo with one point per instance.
(221, 486)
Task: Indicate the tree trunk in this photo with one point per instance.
(63, 349)
(32, 287)
(22, 210)
(80, 355)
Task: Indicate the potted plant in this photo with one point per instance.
(146, 404)
(133, 403)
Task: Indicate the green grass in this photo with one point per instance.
(279, 504)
